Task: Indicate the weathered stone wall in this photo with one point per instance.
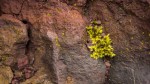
(44, 41)
(127, 21)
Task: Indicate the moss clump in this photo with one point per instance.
(4, 57)
(57, 42)
(101, 44)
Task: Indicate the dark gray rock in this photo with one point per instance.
(129, 30)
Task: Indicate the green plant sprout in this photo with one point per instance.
(49, 14)
(101, 44)
(57, 42)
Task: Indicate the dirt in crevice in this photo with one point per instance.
(86, 7)
(0, 12)
(28, 69)
(29, 36)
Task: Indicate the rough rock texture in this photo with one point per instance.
(127, 21)
(44, 41)
(6, 75)
(56, 45)
(13, 39)
(13, 45)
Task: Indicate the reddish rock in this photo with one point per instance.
(13, 41)
(15, 81)
(29, 72)
(57, 36)
(22, 62)
(54, 33)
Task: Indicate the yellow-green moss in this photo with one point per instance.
(48, 14)
(101, 44)
(4, 57)
(57, 42)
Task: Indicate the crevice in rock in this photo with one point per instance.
(11, 12)
(23, 64)
(29, 45)
(24, 21)
(29, 41)
(87, 5)
(28, 25)
(0, 11)
(21, 7)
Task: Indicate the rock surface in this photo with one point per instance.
(6, 75)
(127, 21)
(44, 41)
(56, 44)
